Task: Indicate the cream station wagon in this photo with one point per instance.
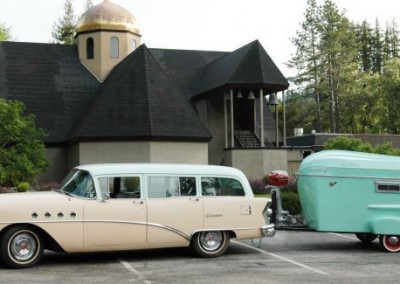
(109, 207)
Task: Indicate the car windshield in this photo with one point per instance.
(78, 183)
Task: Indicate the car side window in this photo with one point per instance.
(120, 187)
(170, 186)
(216, 186)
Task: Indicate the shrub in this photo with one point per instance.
(23, 186)
(291, 202)
(257, 185)
(48, 186)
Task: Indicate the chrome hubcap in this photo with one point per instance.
(23, 247)
(211, 240)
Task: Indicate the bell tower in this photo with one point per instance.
(105, 35)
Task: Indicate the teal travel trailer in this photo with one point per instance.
(352, 192)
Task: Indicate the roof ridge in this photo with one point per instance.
(175, 89)
(250, 47)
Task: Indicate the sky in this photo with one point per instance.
(218, 25)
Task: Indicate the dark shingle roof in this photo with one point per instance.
(145, 97)
(138, 100)
(249, 65)
(185, 67)
(50, 80)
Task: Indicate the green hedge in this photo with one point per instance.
(291, 202)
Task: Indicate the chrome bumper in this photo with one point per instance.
(268, 230)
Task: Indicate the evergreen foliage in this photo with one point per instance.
(5, 33)
(64, 28)
(346, 78)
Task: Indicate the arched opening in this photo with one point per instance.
(89, 48)
(133, 44)
(114, 47)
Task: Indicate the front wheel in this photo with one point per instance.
(390, 243)
(366, 237)
(210, 243)
(21, 247)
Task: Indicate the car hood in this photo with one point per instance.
(31, 196)
(36, 206)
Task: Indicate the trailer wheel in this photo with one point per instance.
(366, 237)
(390, 243)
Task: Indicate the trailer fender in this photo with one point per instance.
(385, 226)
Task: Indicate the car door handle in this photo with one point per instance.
(194, 199)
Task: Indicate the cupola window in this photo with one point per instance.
(133, 44)
(89, 48)
(114, 47)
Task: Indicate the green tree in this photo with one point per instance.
(390, 86)
(307, 58)
(5, 33)
(88, 5)
(355, 144)
(22, 150)
(377, 49)
(364, 34)
(339, 57)
(64, 29)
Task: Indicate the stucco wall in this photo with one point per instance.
(57, 168)
(255, 163)
(113, 152)
(179, 152)
(143, 152)
(102, 64)
(216, 126)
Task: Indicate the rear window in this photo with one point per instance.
(170, 186)
(216, 186)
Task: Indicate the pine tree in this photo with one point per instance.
(64, 29)
(5, 33)
(307, 58)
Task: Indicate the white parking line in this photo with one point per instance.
(282, 258)
(134, 271)
(344, 236)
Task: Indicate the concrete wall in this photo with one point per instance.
(179, 152)
(216, 126)
(255, 163)
(143, 152)
(57, 168)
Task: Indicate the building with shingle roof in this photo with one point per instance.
(110, 98)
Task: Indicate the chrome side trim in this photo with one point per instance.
(176, 231)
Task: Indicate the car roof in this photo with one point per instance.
(148, 168)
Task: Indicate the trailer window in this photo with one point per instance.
(388, 187)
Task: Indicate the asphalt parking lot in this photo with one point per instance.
(289, 257)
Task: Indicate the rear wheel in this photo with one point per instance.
(366, 237)
(21, 247)
(210, 243)
(390, 243)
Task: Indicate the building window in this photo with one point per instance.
(133, 44)
(89, 48)
(114, 47)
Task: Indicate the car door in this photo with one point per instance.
(174, 209)
(119, 220)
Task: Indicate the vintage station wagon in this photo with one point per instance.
(108, 207)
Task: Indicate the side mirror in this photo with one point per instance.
(106, 197)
